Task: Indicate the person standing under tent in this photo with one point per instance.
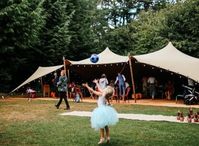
(120, 79)
(152, 86)
(62, 89)
(190, 83)
(103, 81)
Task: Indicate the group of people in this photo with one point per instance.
(150, 87)
(120, 83)
(103, 115)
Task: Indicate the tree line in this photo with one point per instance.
(40, 32)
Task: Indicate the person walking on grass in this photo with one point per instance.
(104, 115)
(62, 89)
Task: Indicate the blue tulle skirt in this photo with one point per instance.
(103, 116)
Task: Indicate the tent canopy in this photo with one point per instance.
(171, 59)
(105, 57)
(168, 58)
(41, 71)
(108, 63)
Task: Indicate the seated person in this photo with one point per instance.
(78, 93)
(169, 90)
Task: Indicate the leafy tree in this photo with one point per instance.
(86, 29)
(182, 27)
(20, 23)
(54, 38)
(176, 23)
(122, 36)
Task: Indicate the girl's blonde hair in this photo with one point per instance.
(108, 92)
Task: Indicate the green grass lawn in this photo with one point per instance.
(38, 123)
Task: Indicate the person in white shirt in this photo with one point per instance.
(103, 81)
(152, 89)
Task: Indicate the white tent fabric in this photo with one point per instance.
(105, 57)
(171, 59)
(168, 58)
(41, 71)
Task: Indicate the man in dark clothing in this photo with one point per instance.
(62, 89)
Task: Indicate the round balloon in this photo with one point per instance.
(94, 58)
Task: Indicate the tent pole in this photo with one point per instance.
(65, 75)
(41, 86)
(132, 78)
(68, 75)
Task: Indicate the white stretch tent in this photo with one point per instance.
(105, 57)
(41, 71)
(171, 59)
(168, 58)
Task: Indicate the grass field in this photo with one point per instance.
(38, 123)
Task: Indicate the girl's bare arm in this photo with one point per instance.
(91, 90)
(98, 86)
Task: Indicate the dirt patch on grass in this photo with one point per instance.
(22, 110)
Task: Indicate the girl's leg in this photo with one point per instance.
(107, 134)
(101, 136)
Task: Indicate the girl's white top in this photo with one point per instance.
(101, 101)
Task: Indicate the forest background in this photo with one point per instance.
(40, 32)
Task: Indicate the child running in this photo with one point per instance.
(104, 115)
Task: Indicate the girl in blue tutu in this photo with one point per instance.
(104, 115)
